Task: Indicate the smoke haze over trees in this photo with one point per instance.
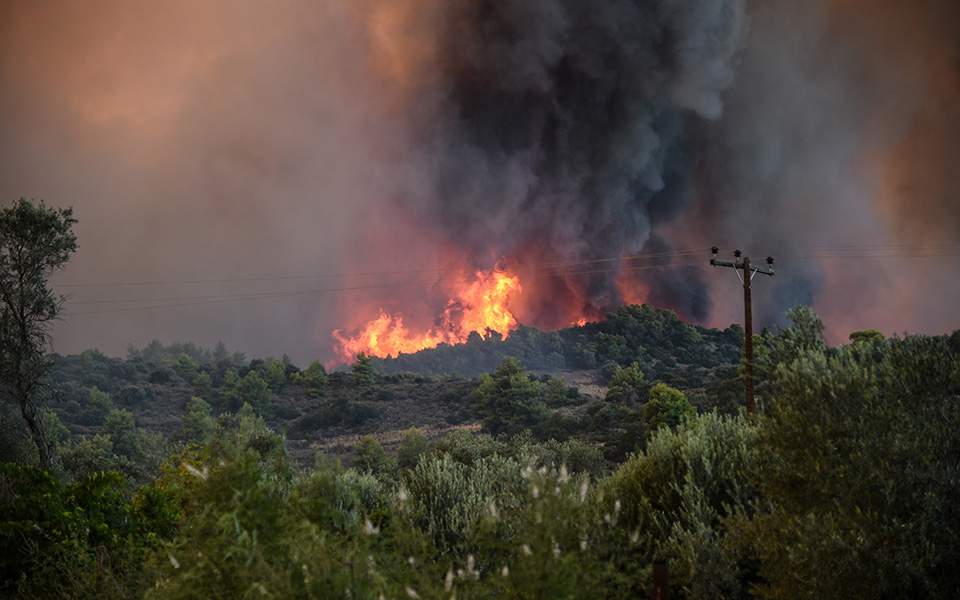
(227, 140)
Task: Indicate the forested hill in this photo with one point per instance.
(655, 338)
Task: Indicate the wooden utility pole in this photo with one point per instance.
(743, 263)
(661, 581)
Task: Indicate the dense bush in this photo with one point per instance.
(656, 338)
(82, 540)
(859, 473)
(844, 485)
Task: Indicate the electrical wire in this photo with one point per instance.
(557, 269)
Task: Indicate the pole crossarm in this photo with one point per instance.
(739, 264)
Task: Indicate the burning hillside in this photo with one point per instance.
(480, 304)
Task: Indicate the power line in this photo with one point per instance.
(344, 274)
(187, 302)
(558, 269)
(923, 249)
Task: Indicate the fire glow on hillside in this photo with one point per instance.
(478, 305)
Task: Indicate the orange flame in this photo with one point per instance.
(477, 306)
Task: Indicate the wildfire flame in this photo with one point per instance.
(477, 306)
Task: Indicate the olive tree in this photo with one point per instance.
(35, 240)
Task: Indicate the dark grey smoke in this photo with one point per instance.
(562, 125)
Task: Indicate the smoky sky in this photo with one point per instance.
(250, 143)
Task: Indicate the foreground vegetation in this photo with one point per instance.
(844, 487)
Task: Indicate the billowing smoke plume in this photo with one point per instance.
(839, 132)
(555, 127)
(226, 140)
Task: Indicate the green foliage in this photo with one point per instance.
(777, 347)
(448, 498)
(683, 490)
(88, 454)
(35, 241)
(558, 394)
(371, 457)
(866, 336)
(86, 539)
(363, 371)
(186, 367)
(508, 401)
(197, 424)
(845, 486)
(314, 378)
(339, 410)
(253, 390)
(628, 385)
(98, 407)
(203, 384)
(656, 338)
(860, 471)
(56, 432)
(338, 500)
(276, 374)
(578, 456)
(667, 407)
(122, 431)
(412, 446)
(230, 390)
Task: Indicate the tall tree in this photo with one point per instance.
(35, 240)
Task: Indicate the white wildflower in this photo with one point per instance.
(448, 581)
(584, 485)
(261, 589)
(556, 491)
(607, 519)
(583, 544)
(174, 561)
(505, 571)
(635, 536)
(543, 470)
(402, 495)
(564, 474)
(369, 528)
(412, 593)
(197, 472)
(411, 561)
(493, 510)
(536, 491)
(556, 550)
(527, 551)
(470, 563)
(616, 506)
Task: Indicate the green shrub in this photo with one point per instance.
(682, 490)
(859, 475)
(628, 385)
(99, 405)
(80, 540)
(370, 455)
(667, 407)
(508, 401)
(197, 424)
(413, 445)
